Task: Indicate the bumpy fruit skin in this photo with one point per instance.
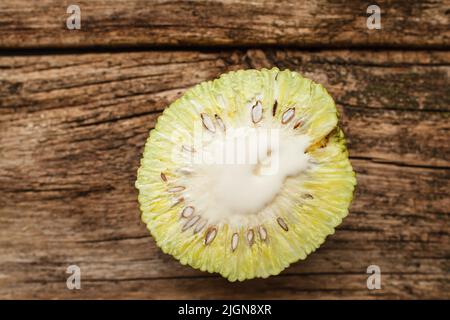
(331, 183)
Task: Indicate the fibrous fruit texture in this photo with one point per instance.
(246, 174)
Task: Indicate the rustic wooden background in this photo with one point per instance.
(76, 108)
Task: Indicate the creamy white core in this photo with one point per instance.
(241, 172)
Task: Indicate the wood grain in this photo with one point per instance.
(72, 129)
(314, 23)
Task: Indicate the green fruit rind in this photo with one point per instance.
(330, 184)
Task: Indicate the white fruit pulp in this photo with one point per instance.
(239, 173)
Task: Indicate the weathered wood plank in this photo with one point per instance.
(101, 233)
(100, 88)
(323, 286)
(25, 24)
(72, 129)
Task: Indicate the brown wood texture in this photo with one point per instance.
(72, 129)
(314, 23)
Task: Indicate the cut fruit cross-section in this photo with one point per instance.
(246, 174)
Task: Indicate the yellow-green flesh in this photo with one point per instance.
(311, 206)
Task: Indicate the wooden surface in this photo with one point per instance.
(318, 23)
(73, 124)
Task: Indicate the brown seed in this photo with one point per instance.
(274, 109)
(282, 224)
(199, 227)
(210, 235)
(176, 189)
(208, 123)
(185, 171)
(250, 236)
(298, 124)
(234, 241)
(187, 212)
(193, 220)
(262, 233)
(163, 177)
(220, 123)
(257, 112)
(188, 148)
(177, 202)
(307, 196)
(288, 115)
